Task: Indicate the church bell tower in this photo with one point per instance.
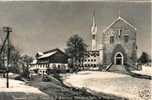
(93, 33)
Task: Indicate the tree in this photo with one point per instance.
(144, 58)
(26, 60)
(76, 49)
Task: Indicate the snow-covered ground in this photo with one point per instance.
(117, 84)
(16, 87)
(145, 71)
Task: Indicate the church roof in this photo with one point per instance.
(119, 18)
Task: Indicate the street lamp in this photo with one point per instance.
(7, 30)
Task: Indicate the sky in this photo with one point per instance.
(41, 26)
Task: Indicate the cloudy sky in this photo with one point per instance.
(41, 26)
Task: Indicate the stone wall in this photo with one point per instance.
(119, 30)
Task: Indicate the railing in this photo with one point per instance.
(108, 67)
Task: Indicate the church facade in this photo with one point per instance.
(116, 47)
(119, 43)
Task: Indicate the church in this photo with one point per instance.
(116, 47)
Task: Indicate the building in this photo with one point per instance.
(117, 46)
(53, 59)
(119, 43)
(92, 57)
(91, 60)
(116, 49)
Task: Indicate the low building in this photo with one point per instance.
(91, 60)
(52, 59)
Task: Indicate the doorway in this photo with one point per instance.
(118, 58)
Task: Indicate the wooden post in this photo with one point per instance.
(7, 30)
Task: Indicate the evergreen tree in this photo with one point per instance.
(144, 58)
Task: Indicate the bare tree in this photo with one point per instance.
(13, 60)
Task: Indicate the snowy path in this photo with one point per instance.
(18, 88)
(111, 83)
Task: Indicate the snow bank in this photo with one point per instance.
(17, 86)
(121, 85)
(145, 71)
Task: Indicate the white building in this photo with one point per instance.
(93, 57)
(53, 59)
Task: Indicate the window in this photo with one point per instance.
(94, 59)
(120, 31)
(126, 37)
(93, 36)
(111, 39)
(119, 55)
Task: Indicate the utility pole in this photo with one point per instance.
(7, 30)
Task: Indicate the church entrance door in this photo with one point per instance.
(118, 58)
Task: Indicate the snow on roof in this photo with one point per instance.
(119, 18)
(34, 61)
(40, 53)
(47, 55)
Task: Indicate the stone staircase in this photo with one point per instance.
(117, 68)
(126, 68)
